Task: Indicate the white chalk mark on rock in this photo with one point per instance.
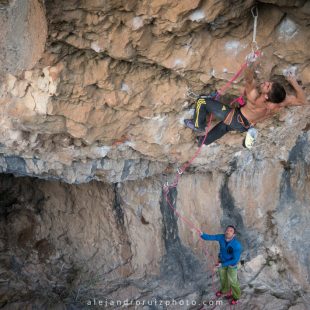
(95, 47)
(125, 87)
(287, 29)
(137, 22)
(178, 63)
(197, 15)
(233, 47)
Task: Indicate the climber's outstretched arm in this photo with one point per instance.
(250, 84)
(299, 99)
(211, 237)
(249, 77)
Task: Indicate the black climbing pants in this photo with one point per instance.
(205, 106)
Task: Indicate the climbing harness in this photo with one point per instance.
(239, 100)
(255, 53)
(241, 120)
(228, 119)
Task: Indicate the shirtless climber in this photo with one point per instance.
(229, 256)
(262, 101)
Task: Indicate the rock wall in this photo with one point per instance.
(66, 244)
(23, 35)
(112, 83)
(99, 93)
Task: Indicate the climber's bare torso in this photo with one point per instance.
(258, 108)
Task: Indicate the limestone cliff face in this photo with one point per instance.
(66, 244)
(97, 91)
(110, 89)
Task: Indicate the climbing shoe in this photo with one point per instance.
(190, 124)
(218, 294)
(234, 302)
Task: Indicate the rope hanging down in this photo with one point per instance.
(181, 170)
(250, 58)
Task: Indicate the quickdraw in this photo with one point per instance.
(254, 12)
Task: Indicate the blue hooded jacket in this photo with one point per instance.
(230, 251)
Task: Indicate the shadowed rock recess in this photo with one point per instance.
(93, 95)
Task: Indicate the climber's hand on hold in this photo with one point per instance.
(290, 77)
(300, 98)
(253, 60)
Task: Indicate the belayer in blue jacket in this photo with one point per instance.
(229, 256)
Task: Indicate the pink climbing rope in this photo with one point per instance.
(219, 93)
(240, 101)
(174, 185)
(228, 84)
(181, 170)
(242, 68)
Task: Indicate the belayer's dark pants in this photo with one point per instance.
(205, 106)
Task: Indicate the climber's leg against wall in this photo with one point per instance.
(218, 109)
(234, 121)
(200, 114)
(233, 282)
(215, 133)
(223, 280)
(203, 107)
